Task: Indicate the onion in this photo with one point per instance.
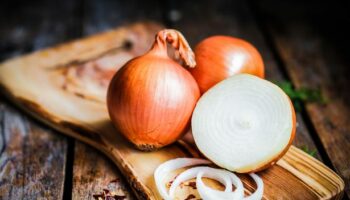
(163, 169)
(206, 193)
(151, 98)
(223, 176)
(219, 57)
(258, 194)
(216, 174)
(244, 123)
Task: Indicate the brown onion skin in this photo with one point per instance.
(215, 57)
(151, 100)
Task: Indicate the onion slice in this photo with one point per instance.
(258, 193)
(244, 123)
(208, 193)
(163, 169)
(220, 175)
(225, 177)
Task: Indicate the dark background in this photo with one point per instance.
(304, 42)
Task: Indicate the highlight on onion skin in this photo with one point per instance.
(219, 57)
(244, 124)
(152, 97)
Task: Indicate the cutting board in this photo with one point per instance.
(65, 87)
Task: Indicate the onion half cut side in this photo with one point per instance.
(244, 123)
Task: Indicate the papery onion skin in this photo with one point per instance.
(151, 98)
(219, 57)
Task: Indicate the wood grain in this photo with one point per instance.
(87, 120)
(32, 158)
(104, 15)
(93, 172)
(95, 176)
(234, 18)
(314, 52)
(36, 25)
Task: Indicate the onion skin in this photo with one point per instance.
(219, 57)
(151, 98)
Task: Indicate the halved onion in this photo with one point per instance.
(244, 123)
(168, 166)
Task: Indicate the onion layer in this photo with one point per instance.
(219, 57)
(171, 165)
(206, 193)
(217, 174)
(244, 123)
(258, 194)
(151, 98)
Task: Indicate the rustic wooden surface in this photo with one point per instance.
(24, 76)
(94, 175)
(239, 21)
(32, 158)
(278, 34)
(313, 52)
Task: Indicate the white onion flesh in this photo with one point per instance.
(223, 176)
(220, 175)
(171, 165)
(208, 193)
(258, 194)
(243, 123)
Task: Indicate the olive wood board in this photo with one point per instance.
(65, 87)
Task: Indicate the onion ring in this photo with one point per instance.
(208, 193)
(218, 174)
(171, 165)
(225, 177)
(258, 194)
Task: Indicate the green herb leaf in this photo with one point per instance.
(301, 95)
(306, 149)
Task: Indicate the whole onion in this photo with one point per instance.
(151, 98)
(219, 57)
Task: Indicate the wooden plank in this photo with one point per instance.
(87, 119)
(94, 176)
(104, 15)
(33, 159)
(35, 25)
(234, 18)
(315, 52)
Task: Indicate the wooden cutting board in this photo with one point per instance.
(65, 87)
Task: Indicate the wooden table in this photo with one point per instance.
(300, 42)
